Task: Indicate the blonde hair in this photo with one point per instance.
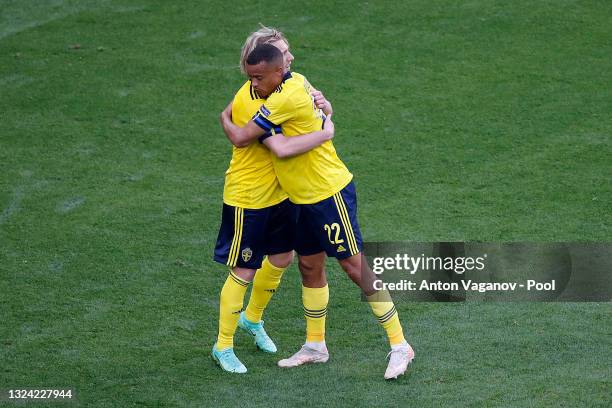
(264, 35)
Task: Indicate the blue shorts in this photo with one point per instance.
(246, 235)
(330, 225)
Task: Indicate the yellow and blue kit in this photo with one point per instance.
(330, 225)
(257, 218)
(318, 181)
(250, 180)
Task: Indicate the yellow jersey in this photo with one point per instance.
(250, 180)
(317, 174)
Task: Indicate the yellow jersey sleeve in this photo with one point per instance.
(276, 110)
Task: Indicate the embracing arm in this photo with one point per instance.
(283, 146)
(279, 144)
(239, 137)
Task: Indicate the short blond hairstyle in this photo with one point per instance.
(264, 35)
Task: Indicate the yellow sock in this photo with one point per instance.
(384, 310)
(267, 278)
(230, 306)
(315, 309)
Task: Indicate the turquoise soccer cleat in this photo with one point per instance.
(262, 340)
(228, 360)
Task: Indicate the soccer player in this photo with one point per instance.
(257, 220)
(321, 185)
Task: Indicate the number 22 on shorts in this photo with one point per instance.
(335, 227)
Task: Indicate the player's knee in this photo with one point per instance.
(351, 264)
(306, 267)
(281, 260)
(244, 273)
(312, 271)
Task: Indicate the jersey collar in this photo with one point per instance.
(286, 76)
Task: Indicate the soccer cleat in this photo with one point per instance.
(305, 355)
(227, 360)
(262, 340)
(399, 358)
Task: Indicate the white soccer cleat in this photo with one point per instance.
(399, 358)
(305, 355)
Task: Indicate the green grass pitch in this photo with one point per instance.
(461, 120)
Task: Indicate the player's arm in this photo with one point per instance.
(283, 146)
(239, 137)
